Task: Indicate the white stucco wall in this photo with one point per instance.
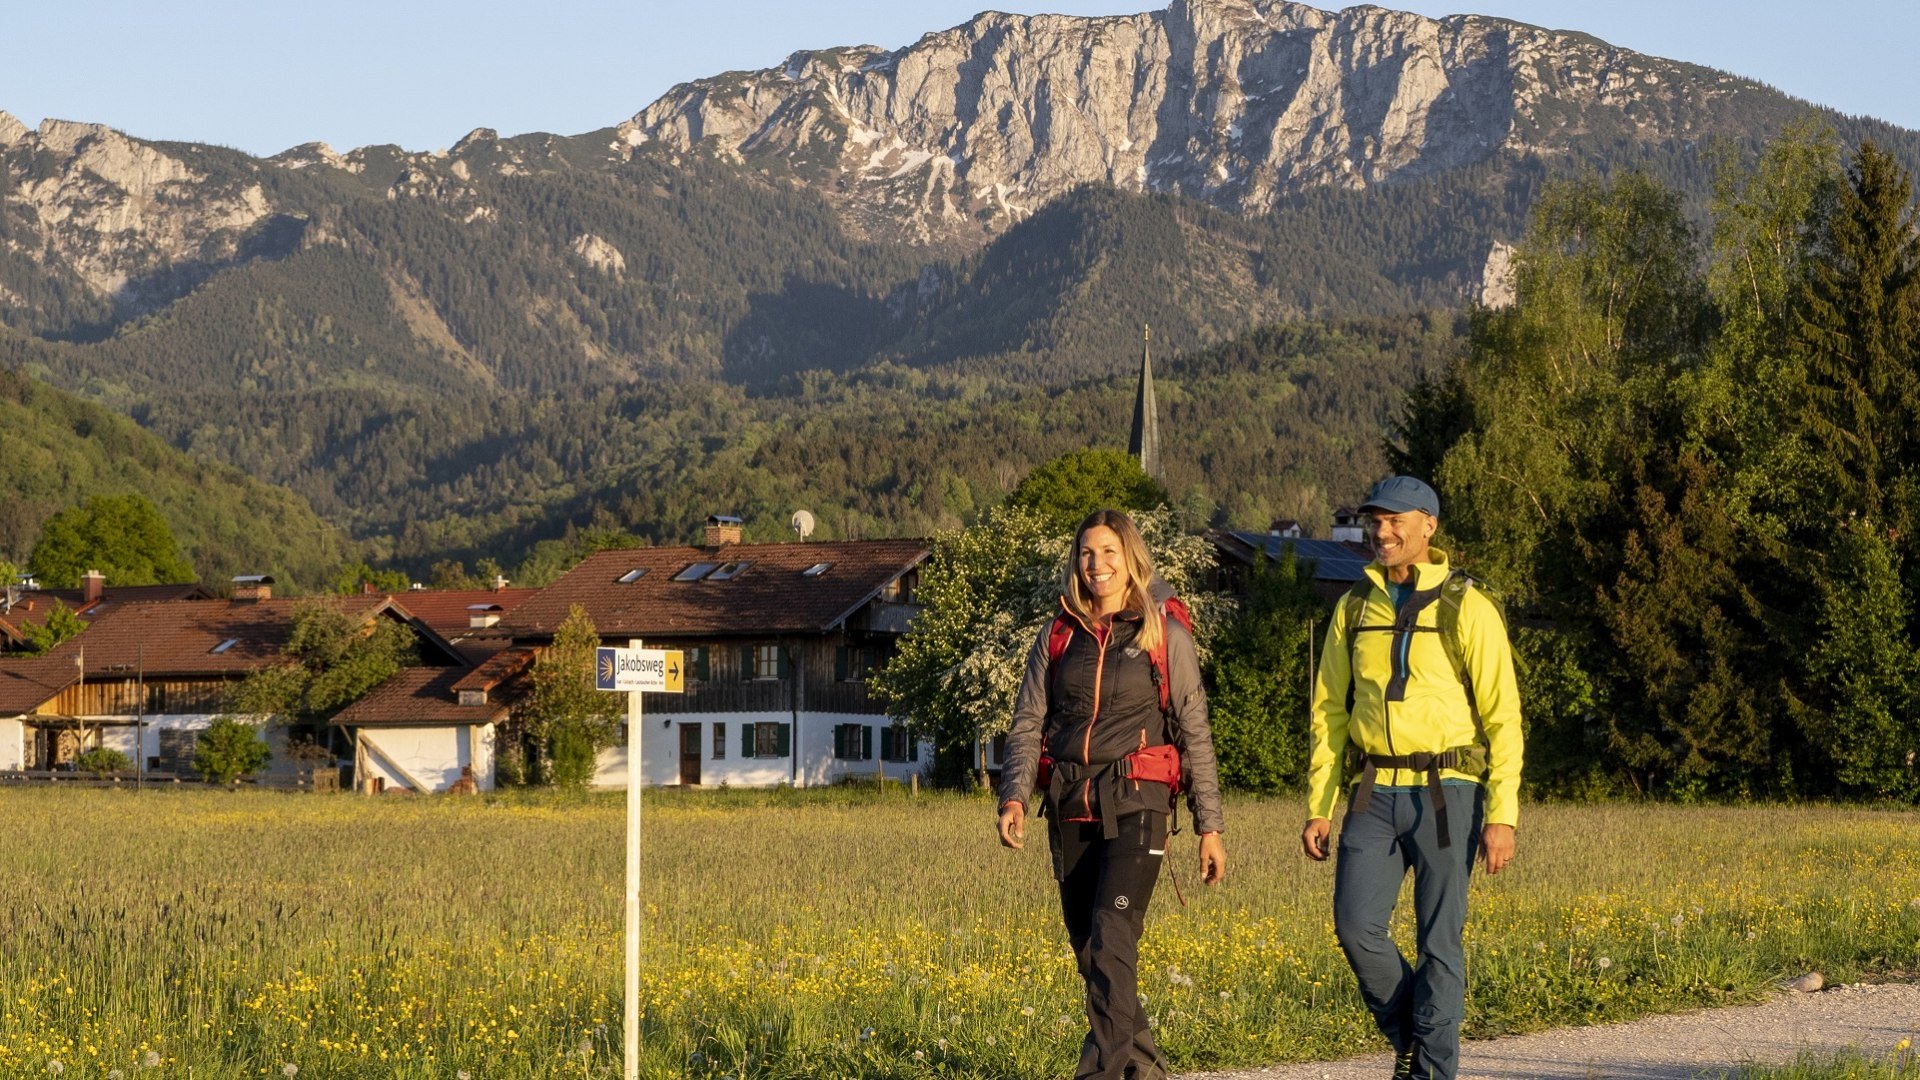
(13, 744)
(812, 742)
(432, 755)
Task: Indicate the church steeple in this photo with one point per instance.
(1145, 441)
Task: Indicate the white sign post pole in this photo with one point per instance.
(632, 1024)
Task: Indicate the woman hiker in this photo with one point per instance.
(1110, 724)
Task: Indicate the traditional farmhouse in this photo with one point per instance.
(146, 677)
(778, 639)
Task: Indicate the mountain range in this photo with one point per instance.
(880, 283)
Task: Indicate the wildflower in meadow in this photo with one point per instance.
(1604, 963)
(151, 1059)
(290, 1069)
(55, 1067)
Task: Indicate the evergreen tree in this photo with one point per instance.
(1858, 325)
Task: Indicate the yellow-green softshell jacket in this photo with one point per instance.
(1434, 714)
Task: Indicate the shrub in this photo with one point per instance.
(229, 750)
(102, 760)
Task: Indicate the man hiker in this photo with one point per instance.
(1415, 702)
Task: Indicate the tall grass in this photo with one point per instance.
(833, 935)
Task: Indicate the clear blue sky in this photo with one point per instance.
(263, 76)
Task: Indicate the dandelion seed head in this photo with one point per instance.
(290, 1069)
(1604, 962)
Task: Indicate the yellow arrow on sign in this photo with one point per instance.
(676, 679)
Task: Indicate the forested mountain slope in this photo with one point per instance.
(869, 282)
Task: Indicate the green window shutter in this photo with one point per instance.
(840, 664)
(866, 743)
(699, 664)
(913, 744)
(782, 652)
(784, 746)
(746, 739)
(746, 663)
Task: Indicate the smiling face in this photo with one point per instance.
(1102, 564)
(1399, 540)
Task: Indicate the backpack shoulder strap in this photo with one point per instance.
(1176, 610)
(1058, 635)
(1453, 596)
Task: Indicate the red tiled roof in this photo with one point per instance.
(418, 697)
(179, 637)
(772, 595)
(446, 609)
(27, 684)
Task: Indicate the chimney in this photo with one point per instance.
(93, 584)
(1348, 526)
(252, 588)
(722, 529)
(499, 582)
(481, 616)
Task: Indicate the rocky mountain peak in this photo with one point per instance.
(11, 130)
(1238, 102)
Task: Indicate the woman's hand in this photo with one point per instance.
(1213, 858)
(1013, 824)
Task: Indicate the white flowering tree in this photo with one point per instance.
(987, 591)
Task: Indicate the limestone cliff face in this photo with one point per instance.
(1237, 102)
(114, 209)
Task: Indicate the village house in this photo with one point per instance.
(25, 603)
(778, 640)
(426, 729)
(1337, 563)
(147, 676)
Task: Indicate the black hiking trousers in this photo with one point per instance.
(1105, 886)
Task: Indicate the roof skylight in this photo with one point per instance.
(696, 571)
(816, 569)
(729, 571)
(632, 575)
(225, 645)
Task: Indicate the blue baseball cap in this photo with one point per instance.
(1398, 494)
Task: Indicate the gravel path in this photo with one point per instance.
(1871, 1018)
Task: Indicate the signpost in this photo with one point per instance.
(634, 670)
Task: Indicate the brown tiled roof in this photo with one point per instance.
(27, 684)
(771, 595)
(446, 609)
(497, 669)
(33, 604)
(179, 637)
(418, 697)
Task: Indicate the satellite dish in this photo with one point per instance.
(803, 523)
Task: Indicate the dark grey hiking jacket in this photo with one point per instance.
(1099, 703)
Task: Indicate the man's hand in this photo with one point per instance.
(1313, 838)
(1496, 846)
(1013, 824)
(1213, 858)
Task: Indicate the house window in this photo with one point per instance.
(767, 662)
(853, 742)
(729, 571)
(632, 575)
(816, 569)
(696, 571)
(225, 645)
(696, 663)
(898, 744)
(719, 741)
(851, 663)
(765, 740)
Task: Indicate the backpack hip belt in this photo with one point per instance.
(1149, 764)
(1467, 759)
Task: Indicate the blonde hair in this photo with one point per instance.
(1138, 595)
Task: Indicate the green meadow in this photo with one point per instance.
(836, 934)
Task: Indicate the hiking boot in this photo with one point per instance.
(1403, 1065)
